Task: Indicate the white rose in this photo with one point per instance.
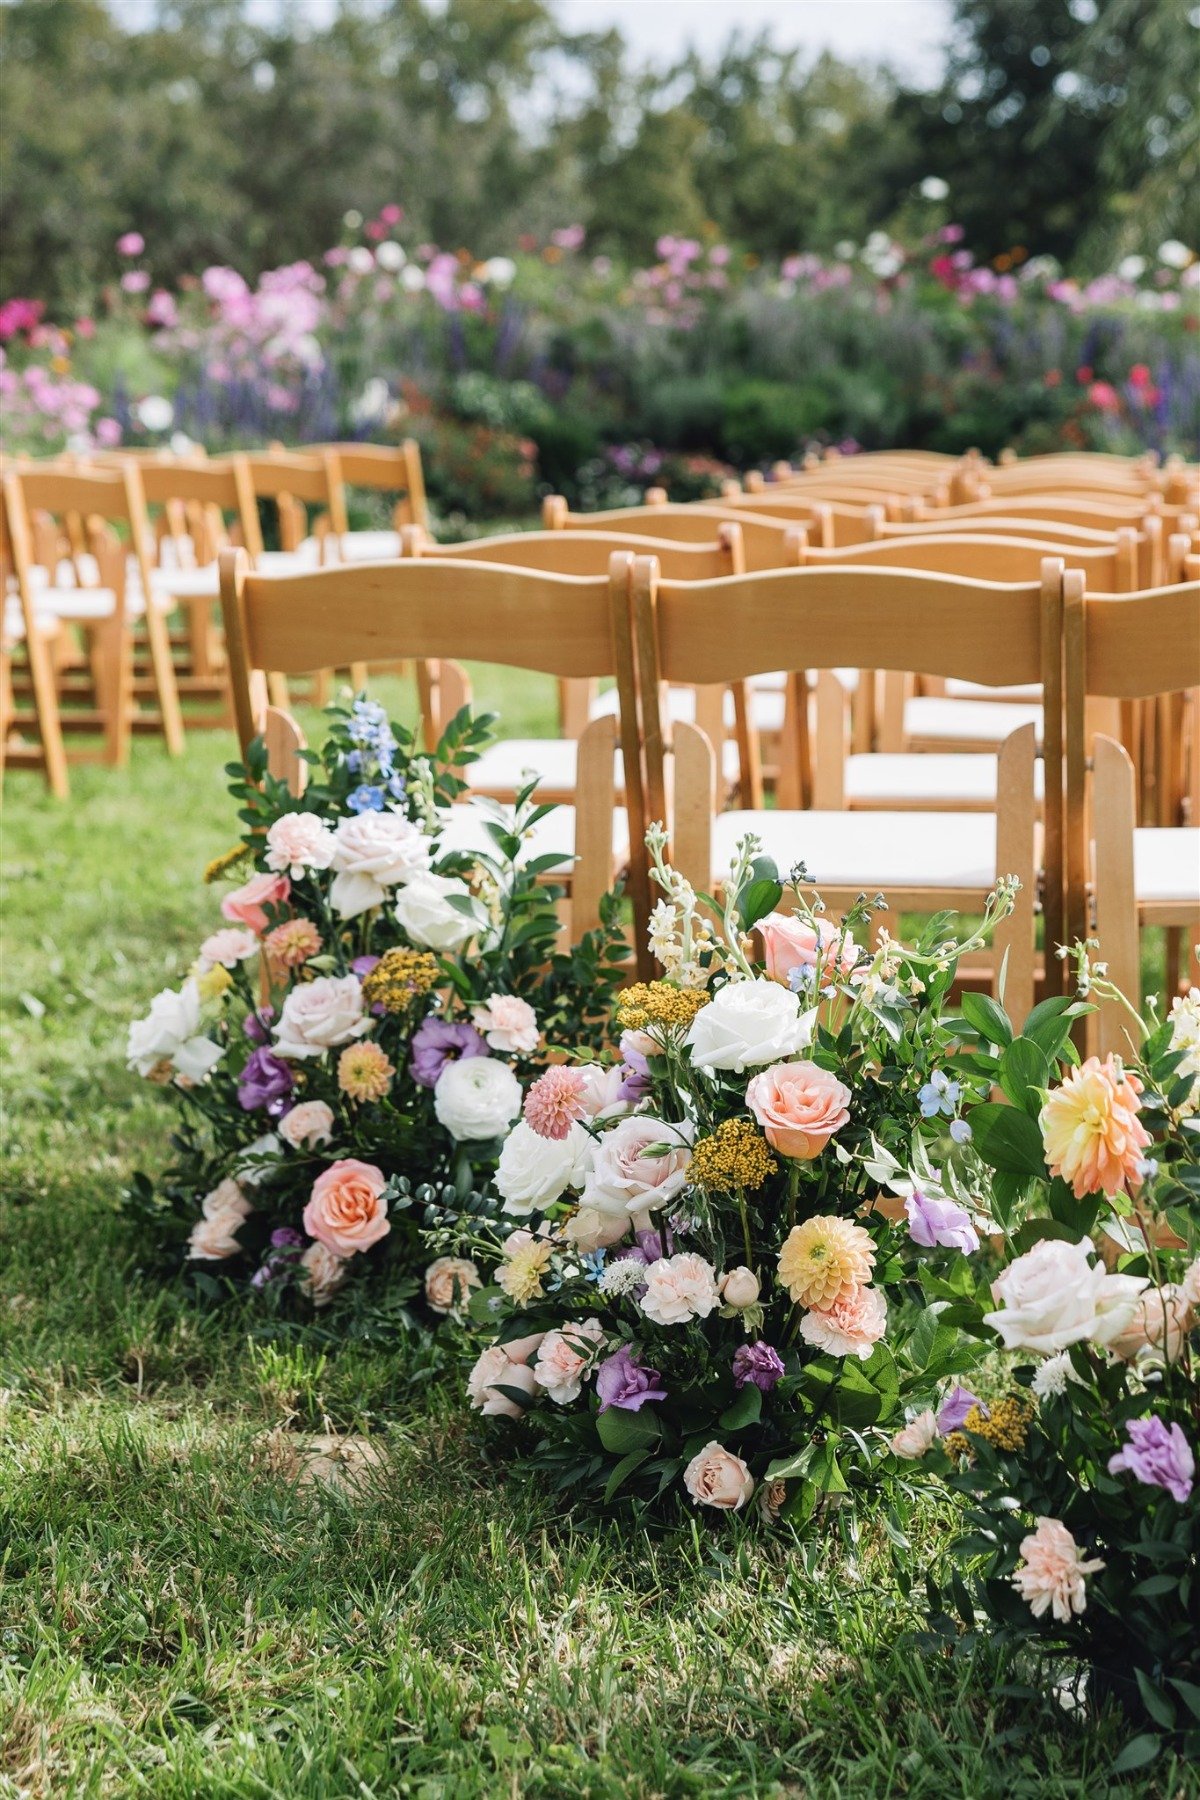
(214, 1235)
(680, 1288)
(425, 915)
(638, 1166)
(171, 1032)
(565, 1359)
(534, 1172)
(319, 1015)
(1055, 1296)
(476, 1097)
(372, 852)
(747, 1024)
(590, 1230)
(716, 1477)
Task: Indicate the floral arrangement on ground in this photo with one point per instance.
(349, 1048)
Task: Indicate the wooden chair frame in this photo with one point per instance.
(384, 469)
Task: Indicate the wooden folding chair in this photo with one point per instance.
(1131, 647)
(393, 469)
(80, 544)
(922, 861)
(570, 627)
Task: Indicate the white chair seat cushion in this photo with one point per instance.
(1166, 864)
(938, 718)
(766, 707)
(85, 603)
(887, 779)
(507, 766)
(974, 690)
(290, 562)
(554, 835)
(185, 584)
(352, 546)
(868, 851)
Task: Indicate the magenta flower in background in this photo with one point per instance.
(436, 1043)
(131, 243)
(135, 281)
(624, 1382)
(1157, 1454)
(933, 1222)
(954, 1409)
(757, 1363)
(265, 1078)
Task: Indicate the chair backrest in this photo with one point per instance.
(567, 626)
(588, 552)
(1111, 569)
(384, 469)
(74, 498)
(315, 479)
(763, 539)
(223, 482)
(996, 634)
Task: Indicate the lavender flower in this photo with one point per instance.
(265, 1078)
(257, 1025)
(757, 1363)
(436, 1042)
(287, 1247)
(1157, 1454)
(933, 1221)
(954, 1409)
(624, 1382)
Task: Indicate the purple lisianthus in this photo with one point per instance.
(266, 1077)
(257, 1025)
(362, 965)
(287, 1247)
(933, 1221)
(954, 1409)
(624, 1382)
(436, 1042)
(757, 1363)
(1157, 1454)
(635, 1069)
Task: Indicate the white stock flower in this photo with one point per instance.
(171, 1033)
(424, 913)
(319, 1015)
(748, 1024)
(476, 1098)
(372, 852)
(1054, 1296)
(534, 1171)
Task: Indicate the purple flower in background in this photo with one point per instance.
(932, 1221)
(1157, 1454)
(266, 1077)
(436, 1043)
(624, 1382)
(954, 1409)
(257, 1025)
(287, 1247)
(757, 1363)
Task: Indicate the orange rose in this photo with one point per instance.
(799, 1107)
(346, 1212)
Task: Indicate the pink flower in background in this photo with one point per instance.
(19, 315)
(1104, 396)
(108, 433)
(131, 243)
(391, 214)
(161, 310)
(135, 281)
(1051, 1578)
(568, 237)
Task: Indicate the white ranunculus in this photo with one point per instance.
(535, 1171)
(476, 1098)
(424, 913)
(319, 1015)
(1055, 1296)
(638, 1166)
(171, 1032)
(747, 1024)
(374, 851)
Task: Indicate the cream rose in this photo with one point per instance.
(324, 1273)
(740, 1288)
(1054, 1296)
(748, 1023)
(534, 1172)
(590, 1230)
(424, 913)
(566, 1358)
(1158, 1327)
(716, 1477)
(171, 1033)
(448, 1283)
(799, 1107)
(346, 1210)
(476, 1098)
(247, 905)
(319, 1015)
(214, 1235)
(374, 851)
(679, 1289)
(915, 1438)
(509, 1025)
(297, 843)
(307, 1125)
(638, 1166)
(503, 1366)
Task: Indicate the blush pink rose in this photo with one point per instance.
(503, 1366)
(227, 948)
(306, 1125)
(799, 1107)
(246, 905)
(298, 842)
(509, 1024)
(346, 1211)
(716, 1477)
(791, 943)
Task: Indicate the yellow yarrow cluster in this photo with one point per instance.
(398, 978)
(649, 1003)
(735, 1155)
(1004, 1427)
(225, 864)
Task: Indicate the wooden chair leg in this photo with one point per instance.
(1114, 811)
(112, 662)
(158, 638)
(45, 706)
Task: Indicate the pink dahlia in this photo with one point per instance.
(556, 1100)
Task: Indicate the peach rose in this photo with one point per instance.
(851, 1326)
(790, 943)
(503, 1366)
(346, 1212)
(565, 1359)
(324, 1273)
(799, 1107)
(246, 905)
(448, 1283)
(716, 1477)
(915, 1438)
(306, 1125)
(214, 1235)
(1159, 1325)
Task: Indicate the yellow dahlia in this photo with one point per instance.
(1091, 1133)
(364, 1072)
(824, 1259)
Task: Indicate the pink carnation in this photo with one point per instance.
(856, 1320)
(509, 1025)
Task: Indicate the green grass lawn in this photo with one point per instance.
(184, 1612)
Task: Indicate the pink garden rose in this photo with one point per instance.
(716, 1477)
(503, 1366)
(792, 943)
(306, 1125)
(852, 1326)
(225, 949)
(324, 1273)
(509, 1025)
(448, 1283)
(638, 1167)
(298, 842)
(321, 1015)
(246, 905)
(915, 1438)
(346, 1211)
(799, 1107)
(565, 1358)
